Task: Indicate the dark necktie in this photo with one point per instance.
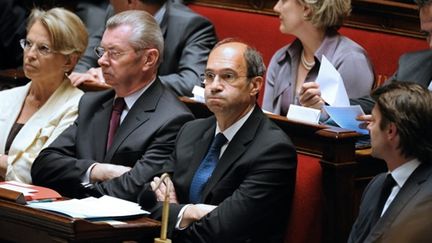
(206, 168)
(388, 184)
(117, 110)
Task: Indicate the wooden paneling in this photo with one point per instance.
(390, 16)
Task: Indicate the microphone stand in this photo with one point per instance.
(165, 210)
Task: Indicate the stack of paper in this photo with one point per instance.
(93, 208)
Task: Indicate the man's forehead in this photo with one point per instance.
(227, 56)
(118, 34)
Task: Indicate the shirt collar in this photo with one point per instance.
(160, 14)
(401, 173)
(132, 98)
(233, 129)
(327, 48)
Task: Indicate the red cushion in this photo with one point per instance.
(262, 32)
(305, 223)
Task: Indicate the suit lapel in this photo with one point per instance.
(200, 149)
(405, 195)
(11, 112)
(140, 112)
(100, 125)
(163, 25)
(237, 146)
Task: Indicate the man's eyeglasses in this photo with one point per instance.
(227, 77)
(42, 49)
(112, 53)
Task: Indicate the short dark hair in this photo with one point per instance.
(409, 107)
(423, 3)
(254, 61)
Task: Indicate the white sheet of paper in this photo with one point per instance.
(303, 114)
(430, 86)
(24, 190)
(345, 117)
(198, 93)
(331, 84)
(103, 207)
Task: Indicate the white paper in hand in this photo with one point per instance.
(345, 117)
(331, 84)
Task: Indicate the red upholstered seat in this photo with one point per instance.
(305, 223)
(262, 32)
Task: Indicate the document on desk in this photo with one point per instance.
(105, 207)
(345, 117)
(331, 84)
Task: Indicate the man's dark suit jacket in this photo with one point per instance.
(13, 15)
(413, 67)
(189, 38)
(252, 184)
(416, 190)
(143, 141)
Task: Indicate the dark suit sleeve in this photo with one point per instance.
(156, 155)
(89, 59)
(256, 192)
(264, 194)
(56, 167)
(200, 39)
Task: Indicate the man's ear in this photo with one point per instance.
(151, 58)
(256, 85)
(392, 131)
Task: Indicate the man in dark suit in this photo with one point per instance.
(188, 36)
(413, 67)
(246, 196)
(401, 136)
(89, 157)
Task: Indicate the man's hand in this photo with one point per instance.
(160, 187)
(365, 120)
(310, 95)
(103, 172)
(92, 76)
(194, 213)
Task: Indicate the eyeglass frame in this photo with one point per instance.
(26, 45)
(112, 53)
(231, 81)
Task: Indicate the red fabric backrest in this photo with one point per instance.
(384, 49)
(262, 32)
(305, 223)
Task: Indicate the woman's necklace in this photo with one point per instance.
(307, 65)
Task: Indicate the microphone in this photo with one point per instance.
(163, 236)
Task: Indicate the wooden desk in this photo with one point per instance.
(345, 171)
(19, 223)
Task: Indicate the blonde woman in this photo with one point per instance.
(294, 68)
(32, 116)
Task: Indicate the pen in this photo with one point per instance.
(41, 200)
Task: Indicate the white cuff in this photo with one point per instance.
(180, 217)
(85, 180)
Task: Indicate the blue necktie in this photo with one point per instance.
(206, 168)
